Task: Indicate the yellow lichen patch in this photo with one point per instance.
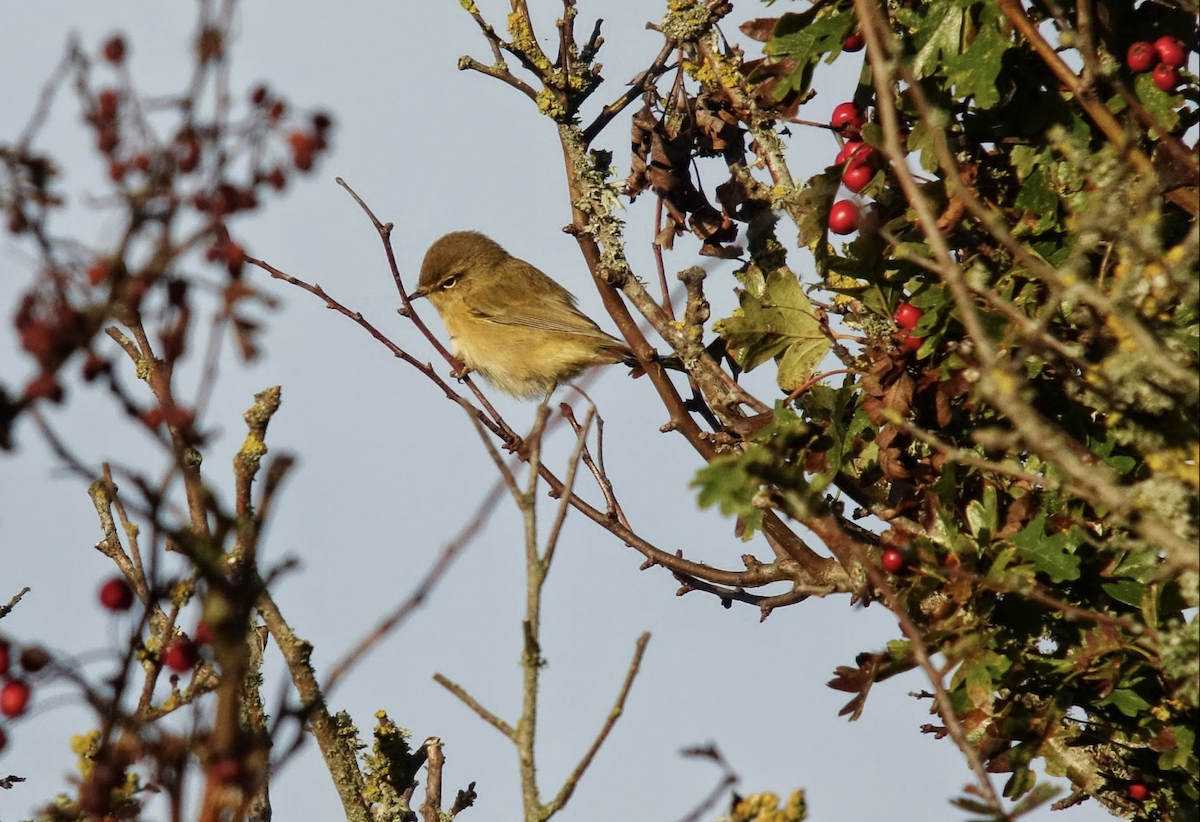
(1178, 464)
(85, 746)
(1120, 330)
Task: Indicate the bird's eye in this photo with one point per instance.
(450, 282)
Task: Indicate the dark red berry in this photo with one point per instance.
(116, 595)
(106, 104)
(152, 417)
(892, 560)
(1141, 57)
(854, 42)
(114, 49)
(5, 657)
(1170, 51)
(1165, 77)
(846, 118)
(33, 658)
(14, 697)
(907, 316)
(3, 740)
(203, 633)
(1139, 791)
(181, 655)
(857, 176)
(843, 217)
(913, 343)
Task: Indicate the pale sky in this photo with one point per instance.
(389, 470)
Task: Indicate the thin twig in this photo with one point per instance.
(572, 781)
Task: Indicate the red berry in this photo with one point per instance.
(17, 222)
(1165, 77)
(892, 560)
(5, 657)
(1139, 792)
(854, 42)
(181, 655)
(116, 170)
(116, 595)
(140, 161)
(106, 104)
(846, 118)
(1170, 51)
(913, 343)
(3, 740)
(152, 417)
(1141, 57)
(907, 316)
(114, 49)
(856, 153)
(857, 176)
(843, 217)
(97, 273)
(14, 697)
(203, 633)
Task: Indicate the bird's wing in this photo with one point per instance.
(556, 312)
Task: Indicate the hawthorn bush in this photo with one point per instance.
(983, 405)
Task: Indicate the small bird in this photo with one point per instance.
(509, 321)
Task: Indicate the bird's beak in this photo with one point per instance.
(417, 294)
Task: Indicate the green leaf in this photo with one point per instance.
(726, 482)
(939, 37)
(1051, 555)
(973, 73)
(1162, 104)
(779, 323)
(1126, 701)
(1127, 591)
(804, 38)
(1037, 197)
(920, 139)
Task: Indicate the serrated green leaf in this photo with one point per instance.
(779, 323)
(726, 483)
(1163, 105)
(1050, 555)
(804, 38)
(1038, 198)
(973, 73)
(1126, 701)
(940, 35)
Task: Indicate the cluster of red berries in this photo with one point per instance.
(1163, 58)
(859, 162)
(907, 316)
(180, 654)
